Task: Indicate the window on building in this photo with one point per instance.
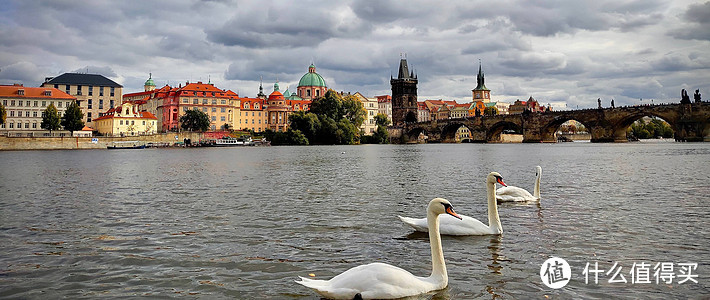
(91, 90)
(89, 104)
(214, 101)
(67, 89)
(59, 103)
(36, 103)
(133, 122)
(27, 125)
(101, 91)
(223, 102)
(19, 103)
(221, 118)
(224, 109)
(120, 122)
(78, 90)
(184, 108)
(11, 125)
(214, 118)
(44, 103)
(88, 114)
(185, 100)
(12, 113)
(88, 119)
(214, 109)
(112, 91)
(27, 114)
(143, 122)
(110, 103)
(204, 101)
(34, 114)
(101, 103)
(195, 101)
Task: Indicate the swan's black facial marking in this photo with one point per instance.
(500, 180)
(450, 210)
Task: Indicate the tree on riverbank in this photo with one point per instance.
(3, 114)
(381, 136)
(331, 120)
(73, 118)
(656, 128)
(50, 119)
(195, 120)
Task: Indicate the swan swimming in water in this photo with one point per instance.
(467, 225)
(383, 281)
(516, 194)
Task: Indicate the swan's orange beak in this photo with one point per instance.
(450, 210)
(500, 180)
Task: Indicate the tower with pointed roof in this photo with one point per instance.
(404, 95)
(481, 93)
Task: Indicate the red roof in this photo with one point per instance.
(33, 92)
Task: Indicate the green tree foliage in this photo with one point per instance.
(195, 120)
(3, 114)
(50, 119)
(656, 128)
(290, 137)
(331, 120)
(490, 111)
(381, 136)
(73, 118)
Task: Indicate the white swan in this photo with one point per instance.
(516, 194)
(383, 281)
(468, 225)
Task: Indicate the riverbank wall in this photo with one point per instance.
(96, 142)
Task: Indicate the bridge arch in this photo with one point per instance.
(495, 130)
(448, 131)
(622, 126)
(549, 130)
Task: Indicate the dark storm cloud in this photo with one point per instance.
(105, 70)
(698, 26)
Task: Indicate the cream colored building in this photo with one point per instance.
(94, 93)
(25, 106)
(126, 120)
(371, 110)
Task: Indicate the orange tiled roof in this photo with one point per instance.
(33, 92)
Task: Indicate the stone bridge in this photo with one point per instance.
(690, 122)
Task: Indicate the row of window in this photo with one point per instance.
(80, 90)
(11, 125)
(206, 101)
(90, 102)
(133, 122)
(32, 103)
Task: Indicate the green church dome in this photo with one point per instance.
(150, 82)
(312, 78)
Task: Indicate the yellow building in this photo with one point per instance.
(126, 120)
(252, 115)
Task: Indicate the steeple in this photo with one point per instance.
(403, 69)
(480, 80)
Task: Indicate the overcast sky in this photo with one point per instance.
(561, 52)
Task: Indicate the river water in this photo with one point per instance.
(225, 223)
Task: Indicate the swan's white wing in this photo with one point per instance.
(375, 280)
(513, 193)
(418, 224)
(449, 225)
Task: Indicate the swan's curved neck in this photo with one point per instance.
(438, 267)
(536, 190)
(493, 218)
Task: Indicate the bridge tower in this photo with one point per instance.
(404, 95)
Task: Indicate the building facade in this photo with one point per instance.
(25, 107)
(404, 95)
(126, 120)
(384, 106)
(94, 93)
(252, 115)
(370, 105)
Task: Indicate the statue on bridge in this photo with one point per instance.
(684, 97)
(599, 102)
(697, 96)
(612, 103)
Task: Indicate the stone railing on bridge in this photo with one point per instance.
(690, 122)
